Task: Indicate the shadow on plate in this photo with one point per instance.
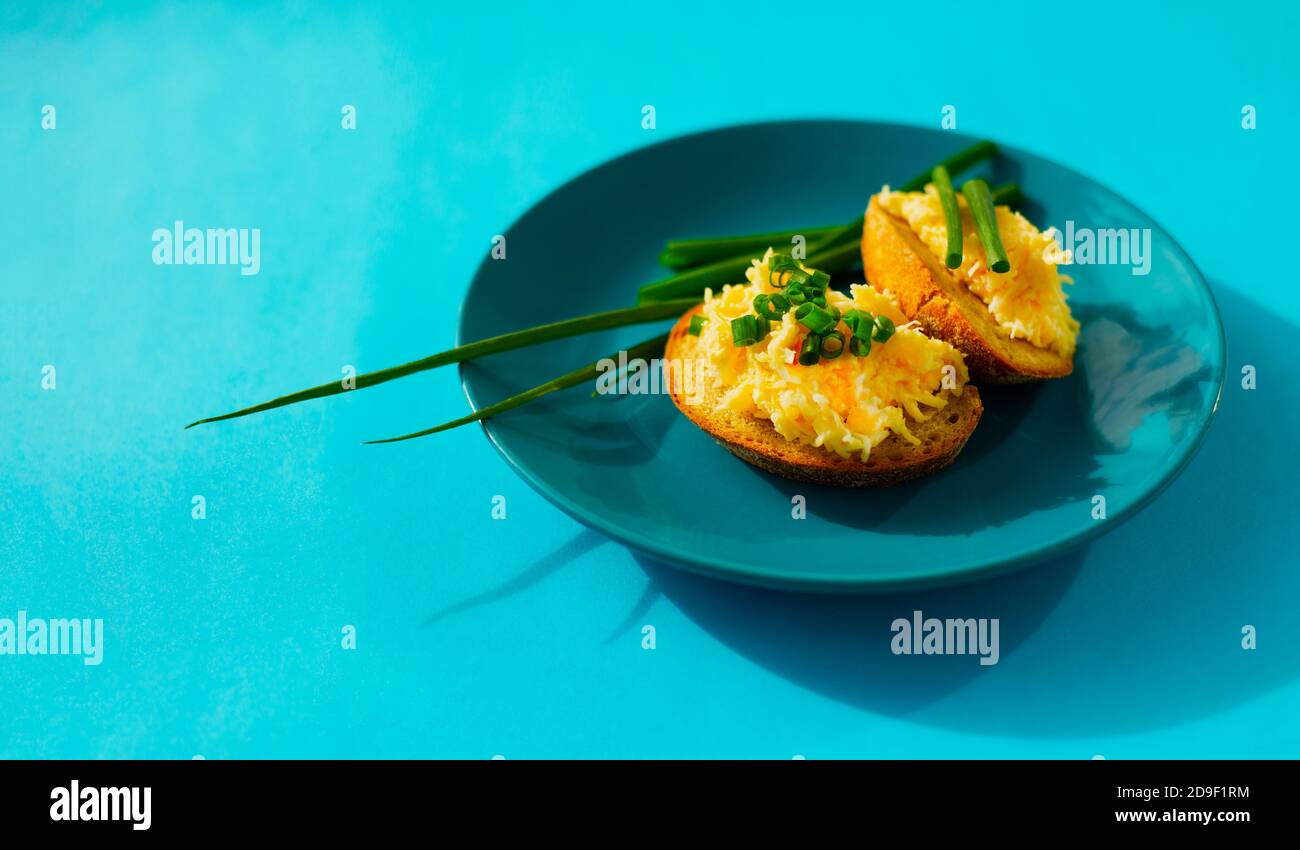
(622, 431)
(1064, 425)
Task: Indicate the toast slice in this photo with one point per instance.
(755, 441)
(895, 259)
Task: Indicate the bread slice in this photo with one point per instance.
(755, 441)
(895, 259)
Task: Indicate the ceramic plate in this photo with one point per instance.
(1147, 378)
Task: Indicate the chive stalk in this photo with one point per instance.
(693, 283)
(681, 254)
(980, 201)
(649, 348)
(810, 350)
(491, 345)
(732, 269)
(951, 213)
(744, 331)
(955, 164)
(1006, 194)
(834, 251)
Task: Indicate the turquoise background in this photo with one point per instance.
(522, 637)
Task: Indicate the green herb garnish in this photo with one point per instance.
(685, 253)
(951, 213)
(824, 253)
(816, 319)
(481, 348)
(1007, 193)
(810, 351)
(834, 250)
(883, 329)
(862, 325)
(697, 325)
(771, 307)
(744, 331)
(980, 201)
(854, 317)
(649, 348)
(958, 162)
(832, 345)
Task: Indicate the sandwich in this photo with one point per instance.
(1008, 316)
(820, 386)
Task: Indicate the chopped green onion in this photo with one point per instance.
(744, 331)
(814, 318)
(982, 210)
(951, 214)
(798, 277)
(819, 280)
(854, 317)
(859, 346)
(481, 348)
(771, 307)
(783, 270)
(810, 351)
(697, 325)
(649, 348)
(884, 329)
(832, 345)
(796, 294)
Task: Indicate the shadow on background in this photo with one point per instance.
(838, 646)
(1145, 634)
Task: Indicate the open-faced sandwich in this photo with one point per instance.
(1007, 312)
(815, 385)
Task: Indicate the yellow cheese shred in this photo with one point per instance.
(847, 405)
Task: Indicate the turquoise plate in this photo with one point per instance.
(1044, 464)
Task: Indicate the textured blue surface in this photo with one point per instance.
(522, 637)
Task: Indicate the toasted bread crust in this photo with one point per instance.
(896, 260)
(755, 441)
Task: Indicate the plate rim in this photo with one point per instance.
(741, 572)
